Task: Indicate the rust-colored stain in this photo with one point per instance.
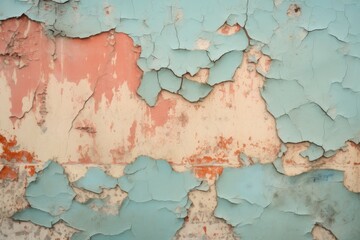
(229, 30)
(223, 143)
(85, 156)
(30, 170)
(9, 154)
(208, 172)
(87, 127)
(209, 161)
(8, 173)
(131, 138)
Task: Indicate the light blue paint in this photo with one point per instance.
(155, 208)
(266, 204)
(167, 31)
(313, 67)
(169, 81)
(127, 235)
(95, 180)
(194, 91)
(224, 44)
(282, 96)
(36, 216)
(313, 152)
(148, 179)
(308, 74)
(13, 8)
(149, 88)
(279, 165)
(50, 192)
(184, 61)
(225, 67)
(90, 222)
(329, 153)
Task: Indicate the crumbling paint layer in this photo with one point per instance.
(265, 204)
(95, 180)
(312, 88)
(176, 37)
(155, 208)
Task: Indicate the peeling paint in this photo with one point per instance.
(169, 41)
(261, 194)
(213, 87)
(154, 190)
(308, 88)
(95, 180)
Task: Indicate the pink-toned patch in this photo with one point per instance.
(160, 113)
(25, 54)
(132, 135)
(106, 61)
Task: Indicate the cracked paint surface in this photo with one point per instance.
(155, 207)
(265, 204)
(209, 86)
(175, 37)
(312, 88)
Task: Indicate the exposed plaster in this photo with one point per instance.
(187, 49)
(155, 207)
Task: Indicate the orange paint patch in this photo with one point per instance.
(206, 160)
(223, 143)
(209, 160)
(9, 154)
(209, 172)
(229, 30)
(30, 170)
(8, 173)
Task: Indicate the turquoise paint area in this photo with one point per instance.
(312, 88)
(313, 152)
(36, 216)
(50, 191)
(262, 203)
(155, 207)
(147, 179)
(167, 31)
(194, 91)
(14, 8)
(95, 180)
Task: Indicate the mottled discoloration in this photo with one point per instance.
(226, 84)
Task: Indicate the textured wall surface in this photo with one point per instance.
(179, 119)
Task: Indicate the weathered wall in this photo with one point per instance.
(253, 105)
